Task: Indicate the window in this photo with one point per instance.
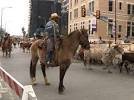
(119, 36)
(133, 9)
(120, 28)
(75, 2)
(110, 26)
(75, 13)
(70, 15)
(132, 28)
(120, 5)
(128, 9)
(76, 27)
(82, 25)
(70, 3)
(70, 28)
(128, 28)
(91, 6)
(89, 29)
(110, 5)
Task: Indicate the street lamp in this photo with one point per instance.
(2, 9)
(115, 23)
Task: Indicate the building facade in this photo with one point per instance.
(119, 21)
(40, 12)
(64, 16)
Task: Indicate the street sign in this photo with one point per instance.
(93, 24)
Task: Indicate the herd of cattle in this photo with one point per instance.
(24, 44)
(116, 55)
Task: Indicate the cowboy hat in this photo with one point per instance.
(54, 15)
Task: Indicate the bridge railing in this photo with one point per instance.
(23, 92)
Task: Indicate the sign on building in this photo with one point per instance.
(113, 29)
(93, 25)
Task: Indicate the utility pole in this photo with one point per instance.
(115, 23)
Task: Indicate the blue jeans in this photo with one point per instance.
(50, 56)
(50, 49)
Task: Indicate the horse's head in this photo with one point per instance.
(84, 39)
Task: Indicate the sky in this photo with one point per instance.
(16, 17)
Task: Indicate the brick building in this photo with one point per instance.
(82, 14)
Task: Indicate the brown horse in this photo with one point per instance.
(63, 54)
(25, 45)
(7, 46)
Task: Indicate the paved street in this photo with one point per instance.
(80, 84)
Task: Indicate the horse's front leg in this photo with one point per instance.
(63, 69)
(6, 53)
(43, 67)
(33, 63)
(23, 49)
(42, 58)
(10, 53)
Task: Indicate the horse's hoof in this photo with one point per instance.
(61, 92)
(47, 84)
(33, 82)
(61, 89)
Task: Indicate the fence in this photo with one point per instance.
(23, 92)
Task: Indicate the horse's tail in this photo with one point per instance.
(31, 63)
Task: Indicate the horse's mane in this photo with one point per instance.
(77, 31)
(70, 34)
